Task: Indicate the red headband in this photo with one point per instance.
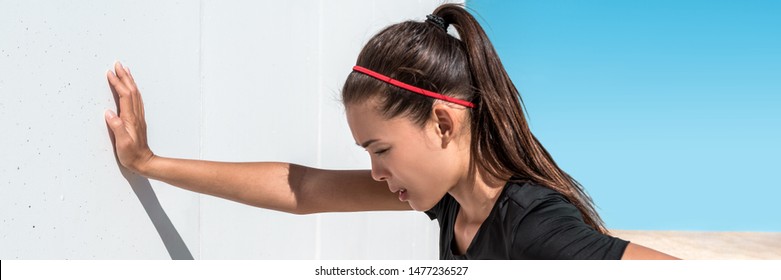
(412, 88)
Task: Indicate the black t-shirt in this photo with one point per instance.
(528, 221)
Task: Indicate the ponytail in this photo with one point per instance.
(501, 140)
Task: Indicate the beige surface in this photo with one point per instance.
(701, 245)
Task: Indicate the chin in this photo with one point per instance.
(417, 206)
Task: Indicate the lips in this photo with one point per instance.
(401, 191)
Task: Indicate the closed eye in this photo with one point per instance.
(381, 152)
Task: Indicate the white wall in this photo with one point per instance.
(222, 80)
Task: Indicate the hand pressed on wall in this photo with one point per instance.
(128, 129)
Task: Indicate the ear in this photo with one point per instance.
(444, 120)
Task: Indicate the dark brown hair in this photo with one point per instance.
(423, 55)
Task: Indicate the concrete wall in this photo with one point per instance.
(227, 80)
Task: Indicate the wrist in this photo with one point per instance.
(145, 166)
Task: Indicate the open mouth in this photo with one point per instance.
(402, 194)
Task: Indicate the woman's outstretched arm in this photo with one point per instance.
(273, 185)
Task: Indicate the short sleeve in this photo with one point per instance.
(554, 229)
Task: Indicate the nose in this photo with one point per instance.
(378, 172)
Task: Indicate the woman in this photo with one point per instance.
(445, 130)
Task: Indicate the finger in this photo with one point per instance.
(113, 93)
(141, 114)
(123, 75)
(138, 102)
(114, 80)
(123, 72)
(126, 108)
(128, 79)
(117, 127)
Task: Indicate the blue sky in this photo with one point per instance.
(668, 112)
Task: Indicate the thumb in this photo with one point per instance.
(116, 124)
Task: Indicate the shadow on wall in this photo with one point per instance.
(172, 241)
(170, 236)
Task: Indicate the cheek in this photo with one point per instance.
(419, 164)
(433, 163)
(427, 174)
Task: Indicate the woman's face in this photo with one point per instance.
(419, 164)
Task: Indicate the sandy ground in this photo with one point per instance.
(701, 245)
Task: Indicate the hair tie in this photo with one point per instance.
(412, 88)
(438, 21)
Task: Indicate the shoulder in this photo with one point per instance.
(530, 206)
(528, 195)
(543, 224)
(527, 205)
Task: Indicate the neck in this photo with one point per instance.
(476, 194)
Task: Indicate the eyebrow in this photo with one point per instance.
(367, 143)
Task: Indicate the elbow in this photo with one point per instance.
(299, 207)
(296, 180)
